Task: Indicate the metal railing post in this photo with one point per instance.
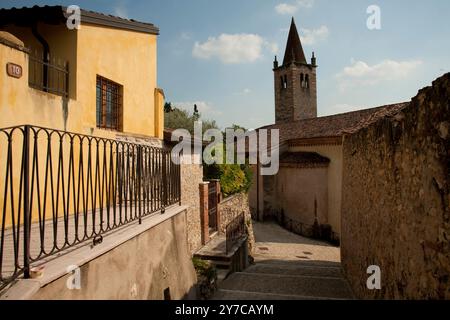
(139, 177)
(26, 202)
(164, 178)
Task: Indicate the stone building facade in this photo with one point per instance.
(396, 194)
(295, 82)
(306, 194)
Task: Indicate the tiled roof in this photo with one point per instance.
(303, 158)
(58, 14)
(335, 125)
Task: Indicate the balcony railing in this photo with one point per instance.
(235, 231)
(49, 76)
(60, 190)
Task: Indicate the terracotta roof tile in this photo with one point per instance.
(335, 125)
(58, 14)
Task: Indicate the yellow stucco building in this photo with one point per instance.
(98, 79)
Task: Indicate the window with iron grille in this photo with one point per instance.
(109, 104)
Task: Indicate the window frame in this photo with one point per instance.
(109, 98)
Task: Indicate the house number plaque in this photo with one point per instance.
(14, 70)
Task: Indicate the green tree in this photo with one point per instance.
(168, 107)
(233, 178)
(176, 118)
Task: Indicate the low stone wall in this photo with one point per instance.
(191, 177)
(141, 269)
(230, 208)
(396, 195)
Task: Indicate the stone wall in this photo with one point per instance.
(396, 194)
(230, 208)
(191, 177)
(295, 102)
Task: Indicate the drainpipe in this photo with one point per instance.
(46, 49)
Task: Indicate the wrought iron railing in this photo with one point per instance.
(60, 189)
(49, 76)
(235, 231)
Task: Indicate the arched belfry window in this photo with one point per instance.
(307, 81)
(302, 80)
(283, 82)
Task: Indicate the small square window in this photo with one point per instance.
(109, 104)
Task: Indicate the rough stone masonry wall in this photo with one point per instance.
(230, 208)
(396, 194)
(191, 177)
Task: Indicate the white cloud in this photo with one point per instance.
(233, 48)
(360, 73)
(243, 92)
(305, 3)
(286, 8)
(273, 47)
(120, 10)
(312, 36)
(186, 36)
(206, 109)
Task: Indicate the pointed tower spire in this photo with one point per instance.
(294, 50)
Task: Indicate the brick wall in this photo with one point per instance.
(395, 211)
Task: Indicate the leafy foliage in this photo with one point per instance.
(176, 118)
(234, 178)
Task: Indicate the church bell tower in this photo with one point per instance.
(295, 82)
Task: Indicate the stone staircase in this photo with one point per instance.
(272, 278)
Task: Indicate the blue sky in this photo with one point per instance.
(219, 54)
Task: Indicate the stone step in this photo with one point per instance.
(222, 274)
(295, 270)
(308, 286)
(236, 295)
(275, 260)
